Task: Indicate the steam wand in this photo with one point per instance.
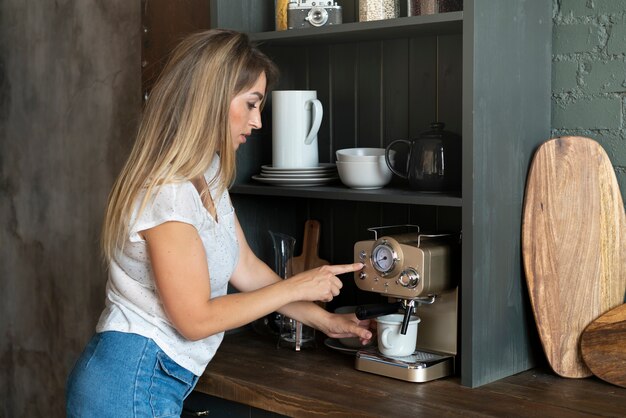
(409, 308)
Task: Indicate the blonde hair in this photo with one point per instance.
(185, 123)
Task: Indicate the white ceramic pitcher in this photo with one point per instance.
(296, 119)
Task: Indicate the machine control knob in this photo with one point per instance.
(362, 275)
(362, 255)
(409, 278)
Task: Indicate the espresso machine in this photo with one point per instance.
(415, 272)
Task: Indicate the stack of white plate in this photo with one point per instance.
(297, 177)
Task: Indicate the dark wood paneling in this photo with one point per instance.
(422, 84)
(164, 24)
(350, 10)
(319, 80)
(287, 217)
(376, 92)
(344, 58)
(293, 72)
(368, 75)
(396, 76)
(242, 15)
(449, 82)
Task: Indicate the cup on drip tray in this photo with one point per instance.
(391, 342)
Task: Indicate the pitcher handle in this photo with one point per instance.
(387, 160)
(318, 112)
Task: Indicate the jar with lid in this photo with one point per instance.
(280, 8)
(378, 9)
(430, 7)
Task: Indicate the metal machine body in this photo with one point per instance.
(416, 270)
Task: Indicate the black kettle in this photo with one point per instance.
(434, 160)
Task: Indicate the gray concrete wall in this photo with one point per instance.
(589, 75)
(70, 88)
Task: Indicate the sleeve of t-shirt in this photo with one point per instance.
(173, 202)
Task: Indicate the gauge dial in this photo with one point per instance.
(383, 258)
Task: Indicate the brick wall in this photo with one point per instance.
(589, 75)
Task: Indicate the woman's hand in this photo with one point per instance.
(347, 326)
(320, 284)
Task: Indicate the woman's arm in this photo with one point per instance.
(182, 280)
(252, 273)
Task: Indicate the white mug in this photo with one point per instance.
(390, 341)
(296, 119)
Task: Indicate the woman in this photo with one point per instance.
(173, 242)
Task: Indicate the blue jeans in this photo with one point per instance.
(126, 375)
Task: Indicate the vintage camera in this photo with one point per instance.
(312, 13)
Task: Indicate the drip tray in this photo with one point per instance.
(419, 367)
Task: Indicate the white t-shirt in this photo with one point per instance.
(132, 303)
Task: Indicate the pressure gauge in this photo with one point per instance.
(384, 257)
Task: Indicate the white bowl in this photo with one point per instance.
(364, 174)
(360, 154)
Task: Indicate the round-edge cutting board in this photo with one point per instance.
(573, 245)
(603, 346)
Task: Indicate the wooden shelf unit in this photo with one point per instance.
(486, 72)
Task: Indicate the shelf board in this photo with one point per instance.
(339, 192)
(402, 27)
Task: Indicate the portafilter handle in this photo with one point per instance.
(373, 311)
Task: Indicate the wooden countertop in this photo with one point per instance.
(249, 369)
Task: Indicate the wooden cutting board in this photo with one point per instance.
(310, 246)
(603, 346)
(573, 245)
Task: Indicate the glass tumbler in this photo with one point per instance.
(293, 334)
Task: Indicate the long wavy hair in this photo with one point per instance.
(185, 123)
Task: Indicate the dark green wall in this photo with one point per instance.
(589, 75)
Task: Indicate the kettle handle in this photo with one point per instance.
(388, 161)
(318, 112)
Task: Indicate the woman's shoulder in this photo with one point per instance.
(176, 197)
(178, 193)
(175, 185)
(172, 201)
